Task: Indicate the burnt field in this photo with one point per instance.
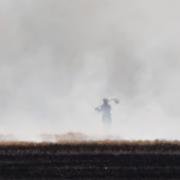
(90, 160)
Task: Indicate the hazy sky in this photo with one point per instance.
(59, 58)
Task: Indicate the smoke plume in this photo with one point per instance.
(58, 59)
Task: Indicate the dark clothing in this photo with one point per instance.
(106, 113)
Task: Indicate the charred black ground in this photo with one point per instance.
(90, 160)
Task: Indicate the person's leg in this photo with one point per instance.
(107, 124)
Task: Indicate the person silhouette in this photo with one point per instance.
(105, 109)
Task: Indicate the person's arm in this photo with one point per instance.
(99, 109)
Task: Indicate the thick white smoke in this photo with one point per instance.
(58, 59)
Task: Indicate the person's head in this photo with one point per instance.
(105, 101)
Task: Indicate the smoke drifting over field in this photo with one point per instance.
(59, 58)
